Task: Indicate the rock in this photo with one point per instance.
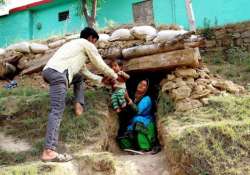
(200, 94)
(203, 75)
(56, 43)
(102, 45)
(236, 35)
(204, 101)
(228, 86)
(246, 40)
(23, 47)
(171, 77)
(190, 82)
(168, 86)
(12, 57)
(7, 71)
(182, 72)
(181, 92)
(38, 48)
(245, 34)
(37, 65)
(180, 83)
(212, 89)
(199, 88)
(187, 104)
(2, 51)
(203, 81)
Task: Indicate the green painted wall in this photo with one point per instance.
(23, 25)
(222, 11)
(215, 12)
(14, 28)
(120, 11)
(48, 18)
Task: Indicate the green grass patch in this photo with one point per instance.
(30, 108)
(214, 139)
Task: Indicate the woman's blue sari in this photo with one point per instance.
(140, 131)
(143, 113)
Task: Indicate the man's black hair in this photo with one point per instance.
(87, 32)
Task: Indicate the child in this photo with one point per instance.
(119, 95)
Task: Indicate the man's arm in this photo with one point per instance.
(123, 75)
(97, 61)
(89, 75)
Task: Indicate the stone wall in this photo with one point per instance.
(226, 37)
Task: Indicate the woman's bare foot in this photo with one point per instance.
(48, 154)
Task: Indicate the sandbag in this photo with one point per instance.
(56, 44)
(72, 37)
(23, 47)
(147, 33)
(168, 35)
(38, 48)
(2, 51)
(121, 35)
(103, 38)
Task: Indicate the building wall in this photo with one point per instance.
(48, 18)
(14, 28)
(24, 24)
(222, 11)
(120, 11)
(216, 12)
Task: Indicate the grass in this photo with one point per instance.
(30, 107)
(213, 139)
(233, 64)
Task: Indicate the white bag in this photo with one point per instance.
(72, 37)
(23, 47)
(56, 44)
(104, 38)
(144, 32)
(168, 35)
(38, 48)
(121, 34)
(2, 51)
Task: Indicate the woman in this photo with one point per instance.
(139, 132)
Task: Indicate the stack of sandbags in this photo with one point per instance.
(127, 42)
(189, 88)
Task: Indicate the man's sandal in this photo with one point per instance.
(60, 158)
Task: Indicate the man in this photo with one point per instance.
(61, 71)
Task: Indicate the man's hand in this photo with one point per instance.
(120, 79)
(108, 81)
